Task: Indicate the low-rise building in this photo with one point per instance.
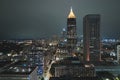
(73, 68)
(19, 71)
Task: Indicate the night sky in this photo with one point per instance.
(20, 19)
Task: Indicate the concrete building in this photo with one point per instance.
(118, 53)
(75, 70)
(72, 67)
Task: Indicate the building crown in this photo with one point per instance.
(71, 14)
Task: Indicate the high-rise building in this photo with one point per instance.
(71, 31)
(91, 37)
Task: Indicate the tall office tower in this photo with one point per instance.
(91, 37)
(71, 31)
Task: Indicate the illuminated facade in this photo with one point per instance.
(118, 53)
(91, 37)
(71, 31)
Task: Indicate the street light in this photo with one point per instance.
(107, 79)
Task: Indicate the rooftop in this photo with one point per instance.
(4, 63)
(71, 14)
(75, 78)
(19, 68)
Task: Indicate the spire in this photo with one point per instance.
(71, 14)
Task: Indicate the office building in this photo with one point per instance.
(71, 31)
(91, 37)
(72, 67)
(75, 70)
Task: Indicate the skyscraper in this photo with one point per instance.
(91, 37)
(71, 31)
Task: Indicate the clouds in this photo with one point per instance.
(44, 18)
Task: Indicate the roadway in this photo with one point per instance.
(47, 75)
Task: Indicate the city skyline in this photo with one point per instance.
(38, 19)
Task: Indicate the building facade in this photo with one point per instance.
(75, 70)
(118, 53)
(71, 31)
(91, 37)
(72, 67)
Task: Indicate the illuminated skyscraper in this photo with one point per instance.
(91, 37)
(71, 31)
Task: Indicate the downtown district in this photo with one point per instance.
(68, 57)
